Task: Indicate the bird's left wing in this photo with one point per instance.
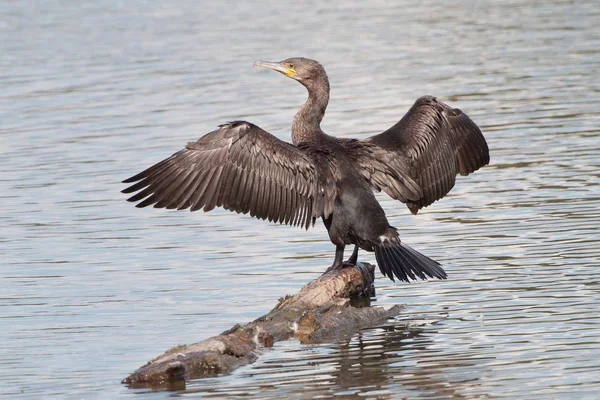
(239, 167)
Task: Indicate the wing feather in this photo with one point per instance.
(435, 143)
(239, 167)
(183, 201)
(172, 192)
(385, 170)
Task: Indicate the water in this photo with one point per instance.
(92, 288)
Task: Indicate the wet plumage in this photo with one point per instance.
(245, 169)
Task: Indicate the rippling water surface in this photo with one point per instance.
(91, 288)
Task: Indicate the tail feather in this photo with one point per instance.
(384, 262)
(409, 267)
(405, 263)
(391, 258)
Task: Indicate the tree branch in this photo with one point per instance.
(324, 309)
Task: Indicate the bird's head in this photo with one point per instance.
(304, 70)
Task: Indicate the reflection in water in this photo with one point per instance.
(384, 362)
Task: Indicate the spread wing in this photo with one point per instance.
(239, 167)
(385, 170)
(438, 142)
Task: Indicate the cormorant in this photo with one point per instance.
(245, 169)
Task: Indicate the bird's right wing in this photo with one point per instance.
(383, 169)
(239, 167)
(437, 142)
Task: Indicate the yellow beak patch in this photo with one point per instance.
(290, 72)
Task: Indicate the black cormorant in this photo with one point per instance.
(245, 169)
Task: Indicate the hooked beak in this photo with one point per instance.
(289, 72)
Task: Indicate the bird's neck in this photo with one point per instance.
(307, 122)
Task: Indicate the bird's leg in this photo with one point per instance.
(339, 257)
(354, 257)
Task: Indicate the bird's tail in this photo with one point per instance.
(406, 263)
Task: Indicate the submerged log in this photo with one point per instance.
(324, 309)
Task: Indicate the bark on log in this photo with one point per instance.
(324, 309)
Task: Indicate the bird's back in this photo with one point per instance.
(356, 216)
